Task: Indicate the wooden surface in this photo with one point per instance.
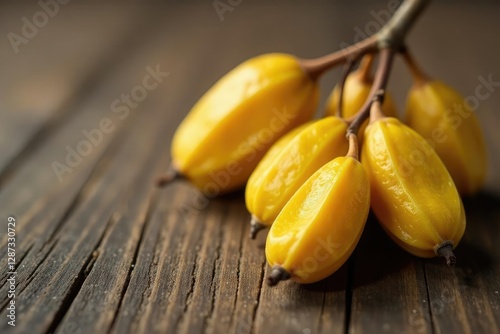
(104, 251)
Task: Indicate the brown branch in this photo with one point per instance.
(378, 89)
(419, 77)
(316, 67)
(347, 69)
(391, 35)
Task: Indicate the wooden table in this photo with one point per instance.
(99, 249)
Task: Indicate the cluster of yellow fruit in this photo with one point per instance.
(304, 177)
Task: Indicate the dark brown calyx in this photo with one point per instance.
(277, 274)
(255, 226)
(445, 249)
(168, 177)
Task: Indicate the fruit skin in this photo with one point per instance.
(441, 115)
(230, 128)
(290, 162)
(412, 193)
(320, 226)
(356, 90)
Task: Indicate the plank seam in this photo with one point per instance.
(77, 285)
(320, 323)
(217, 268)
(22, 257)
(194, 275)
(349, 291)
(259, 295)
(428, 298)
(34, 273)
(147, 219)
(238, 272)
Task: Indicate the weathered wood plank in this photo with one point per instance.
(100, 313)
(241, 272)
(293, 308)
(34, 193)
(146, 300)
(389, 289)
(189, 299)
(197, 276)
(466, 298)
(58, 279)
(104, 251)
(56, 68)
(100, 296)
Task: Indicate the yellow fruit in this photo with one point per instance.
(288, 164)
(441, 115)
(319, 227)
(230, 128)
(412, 193)
(356, 90)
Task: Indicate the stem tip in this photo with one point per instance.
(255, 227)
(169, 176)
(446, 250)
(277, 274)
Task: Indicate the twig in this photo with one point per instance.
(377, 91)
(419, 77)
(347, 69)
(391, 35)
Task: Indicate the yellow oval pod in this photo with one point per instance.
(412, 193)
(442, 116)
(356, 90)
(230, 128)
(320, 226)
(288, 164)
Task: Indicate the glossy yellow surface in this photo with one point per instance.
(290, 162)
(412, 193)
(441, 116)
(231, 127)
(320, 226)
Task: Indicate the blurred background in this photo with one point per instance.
(61, 60)
(111, 81)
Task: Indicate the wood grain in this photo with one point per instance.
(103, 251)
(389, 287)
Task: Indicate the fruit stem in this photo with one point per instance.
(419, 77)
(445, 249)
(353, 146)
(364, 70)
(277, 274)
(168, 177)
(255, 226)
(391, 35)
(316, 67)
(377, 91)
(376, 112)
(347, 69)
